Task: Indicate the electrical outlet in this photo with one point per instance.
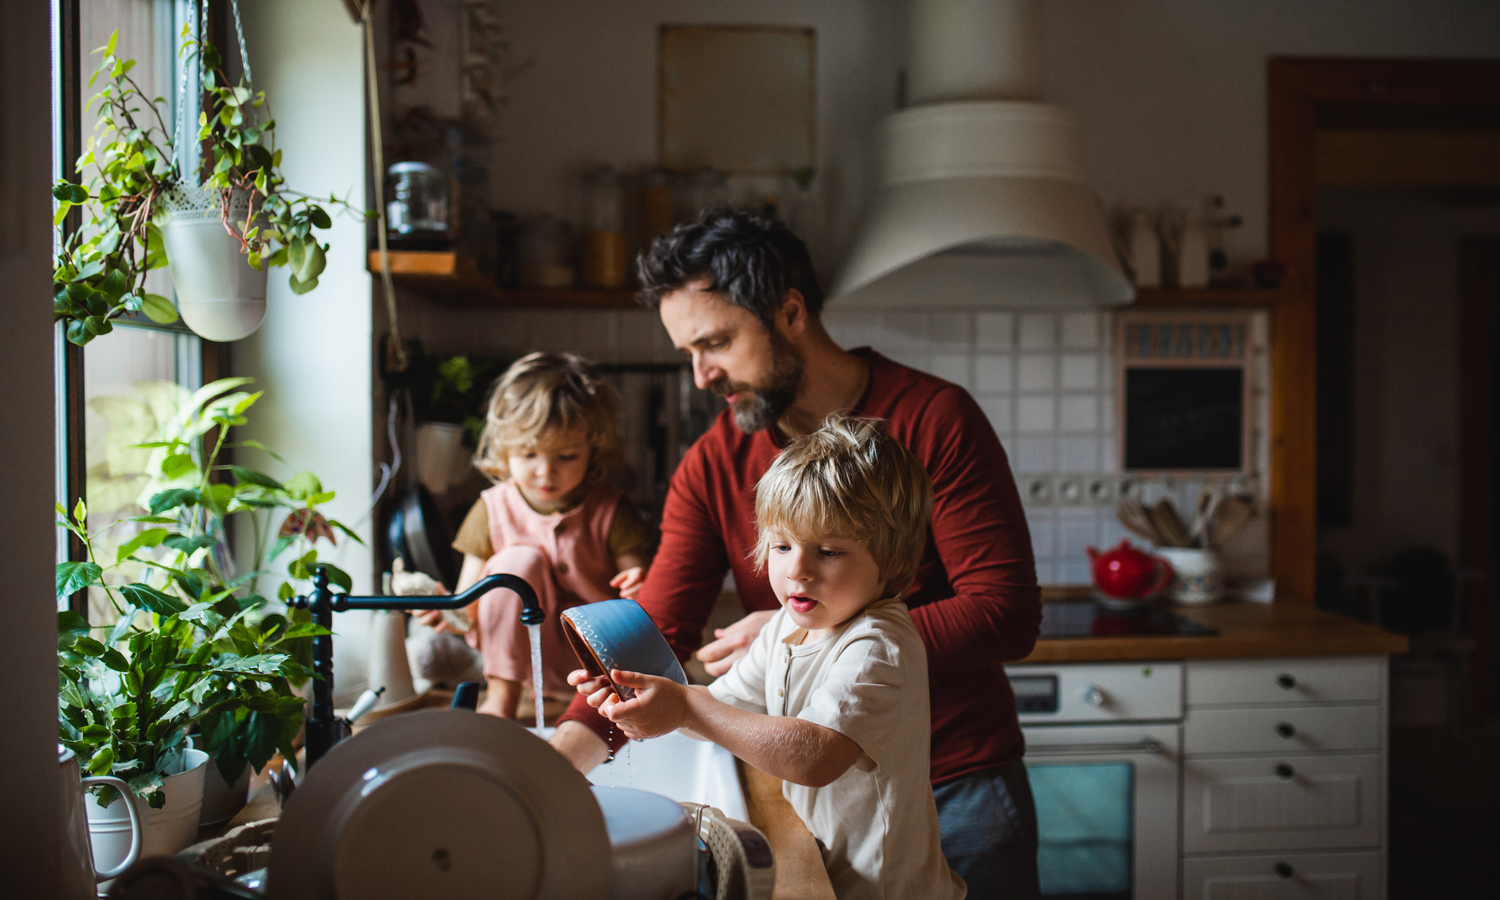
(1131, 489)
(1036, 490)
(1070, 490)
(1100, 490)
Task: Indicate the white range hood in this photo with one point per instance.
(981, 200)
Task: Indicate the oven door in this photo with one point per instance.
(1106, 808)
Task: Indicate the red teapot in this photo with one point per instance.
(1126, 573)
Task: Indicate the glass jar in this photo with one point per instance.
(416, 211)
(604, 263)
(543, 254)
(656, 205)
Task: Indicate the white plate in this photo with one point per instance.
(441, 803)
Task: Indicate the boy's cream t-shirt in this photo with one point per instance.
(867, 681)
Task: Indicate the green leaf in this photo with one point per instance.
(173, 498)
(176, 465)
(318, 217)
(115, 660)
(75, 576)
(151, 537)
(304, 485)
(159, 309)
(184, 544)
(70, 626)
(149, 598)
(251, 476)
(156, 247)
(336, 575)
(103, 759)
(205, 615)
(216, 498)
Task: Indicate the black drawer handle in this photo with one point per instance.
(1286, 682)
(1284, 770)
(1284, 870)
(1285, 730)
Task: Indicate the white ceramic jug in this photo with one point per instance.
(79, 877)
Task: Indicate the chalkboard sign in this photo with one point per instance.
(1181, 418)
(1183, 390)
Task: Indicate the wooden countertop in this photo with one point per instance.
(1245, 630)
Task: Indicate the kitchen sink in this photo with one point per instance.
(678, 767)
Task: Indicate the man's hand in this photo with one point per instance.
(629, 582)
(659, 706)
(732, 642)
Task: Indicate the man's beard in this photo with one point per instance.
(759, 408)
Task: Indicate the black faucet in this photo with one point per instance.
(322, 728)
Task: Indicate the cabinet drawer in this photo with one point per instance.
(1281, 803)
(1291, 876)
(1288, 729)
(1284, 681)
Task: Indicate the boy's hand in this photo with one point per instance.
(659, 706)
(629, 582)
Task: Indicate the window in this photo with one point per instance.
(120, 391)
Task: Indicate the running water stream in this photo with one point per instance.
(536, 676)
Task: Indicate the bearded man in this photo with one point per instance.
(737, 295)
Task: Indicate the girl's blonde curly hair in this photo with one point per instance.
(541, 396)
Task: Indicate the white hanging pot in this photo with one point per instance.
(219, 295)
(164, 831)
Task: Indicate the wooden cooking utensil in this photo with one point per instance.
(1231, 515)
(1173, 531)
(1133, 516)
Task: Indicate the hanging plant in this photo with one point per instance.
(100, 274)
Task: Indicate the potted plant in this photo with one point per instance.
(195, 643)
(448, 393)
(143, 213)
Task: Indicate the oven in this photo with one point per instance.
(1103, 746)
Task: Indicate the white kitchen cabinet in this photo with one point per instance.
(1286, 876)
(1282, 757)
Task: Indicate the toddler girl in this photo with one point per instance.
(548, 442)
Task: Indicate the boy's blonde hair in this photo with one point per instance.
(548, 392)
(849, 479)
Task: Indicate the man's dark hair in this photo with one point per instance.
(753, 260)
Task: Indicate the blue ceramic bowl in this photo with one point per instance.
(618, 634)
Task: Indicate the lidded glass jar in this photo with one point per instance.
(416, 211)
(604, 263)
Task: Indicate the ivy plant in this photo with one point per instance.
(196, 642)
(100, 273)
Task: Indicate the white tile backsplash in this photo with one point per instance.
(1038, 331)
(995, 330)
(992, 374)
(1080, 372)
(1080, 331)
(954, 367)
(1078, 454)
(1037, 372)
(1078, 412)
(1034, 454)
(999, 409)
(950, 332)
(1036, 414)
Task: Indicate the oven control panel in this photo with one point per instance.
(1094, 692)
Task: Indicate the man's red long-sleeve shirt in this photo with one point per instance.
(975, 600)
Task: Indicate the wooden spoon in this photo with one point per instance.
(1133, 516)
(1170, 524)
(1232, 515)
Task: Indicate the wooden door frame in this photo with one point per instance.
(1295, 88)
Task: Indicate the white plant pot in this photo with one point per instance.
(222, 800)
(219, 295)
(164, 831)
(442, 459)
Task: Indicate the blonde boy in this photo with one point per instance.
(832, 697)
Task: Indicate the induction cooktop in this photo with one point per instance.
(1089, 618)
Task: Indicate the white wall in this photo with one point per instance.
(1172, 93)
(312, 355)
(28, 668)
(1406, 368)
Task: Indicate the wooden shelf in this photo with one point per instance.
(1246, 296)
(455, 281)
